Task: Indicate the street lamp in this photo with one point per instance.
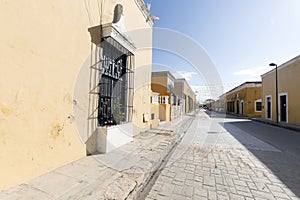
(276, 76)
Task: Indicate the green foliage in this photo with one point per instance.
(118, 114)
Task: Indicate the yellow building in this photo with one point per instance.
(288, 92)
(163, 83)
(245, 100)
(154, 109)
(48, 48)
(186, 96)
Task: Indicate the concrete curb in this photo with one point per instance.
(293, 127)
(147, 185)
(281, 125)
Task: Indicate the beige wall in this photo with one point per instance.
(165, 112)
(288, 82)
(155, 111)
(188, 92)
(43, 45)
(192, 95)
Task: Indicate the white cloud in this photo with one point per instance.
(184, 74)
(255, 72)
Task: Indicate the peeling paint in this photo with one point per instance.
(6, 111)
(56, 131)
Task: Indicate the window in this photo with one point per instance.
(163, 100)
(152, 116)
(115, 84)
(174, 100)
(154, 98)
(258, 105)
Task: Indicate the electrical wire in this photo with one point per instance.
(87, 8)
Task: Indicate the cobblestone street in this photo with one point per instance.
(212, 162)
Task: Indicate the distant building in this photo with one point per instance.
(210, 104)
(163, 83)
(244, 99)
(175, 95)
(154, 109)
(288, 93)
(186, 97)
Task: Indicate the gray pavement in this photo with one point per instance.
(231, 158)
(202, 157)
(124, 173)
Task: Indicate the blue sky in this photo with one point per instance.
(240, 37)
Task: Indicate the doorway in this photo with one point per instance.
(283, 107)
(269, 107)
(242, 107)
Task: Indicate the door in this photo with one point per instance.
(237, 107)
(242, 108)
(283, 108)
(269, 107)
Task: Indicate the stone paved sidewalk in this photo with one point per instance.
(121, 174)
(211, 164)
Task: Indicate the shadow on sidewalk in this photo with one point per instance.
(283, 162)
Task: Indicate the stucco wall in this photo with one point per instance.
(43, 46)
(165, 112)
(155, 111)
(183, 89)
(248, 95)
(288, 82)
(159, 84)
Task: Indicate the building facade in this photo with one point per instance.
(245, 100)
(288, 95)
(154, 109)
(50, 48)
(163, 83)
(186, 96)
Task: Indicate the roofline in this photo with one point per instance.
(164, 72)
(282, 65)
(175, 79)
(247, 82)
(143, 8)
(184, 80)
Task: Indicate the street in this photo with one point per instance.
(224, 157)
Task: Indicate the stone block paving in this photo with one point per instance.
(217, 170)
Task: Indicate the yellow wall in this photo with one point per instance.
(165, 112)
(159, 84)
(248, 95)
(288, 82)
(43, 45)
(155, 111)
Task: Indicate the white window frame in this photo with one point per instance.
(255, 109)
(287, 106)
(154, 99)
(266, 110)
